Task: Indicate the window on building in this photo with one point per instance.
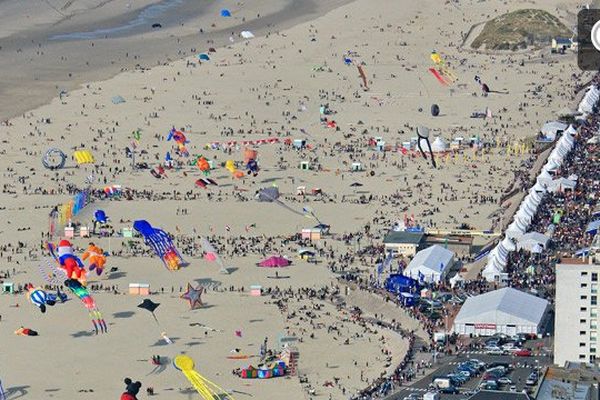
(594, 277)
(582, 321)
(581, 344)
(583, 309)
(582, 332)
(592, 358)
(584, 273)
(594, 300)
(592, 350)
(584, 285)
(582, 356)
(583, 297)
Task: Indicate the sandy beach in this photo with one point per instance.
(270, 86)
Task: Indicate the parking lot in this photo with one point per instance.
(521, 368)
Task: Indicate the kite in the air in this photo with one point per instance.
(423, 135)
(230, 166)
(150, 306)
(71, 264)
(271, 195)
(54, 276)
(158, 172)
(363, 76)
(441, 71)
(193, 296)
(203, 165)
(179, 138)
(83, 157)
(39, 297)
(54, 158)
(203, 182)
(205, 388)
(96, 256)
(250, 157)
(160, 242)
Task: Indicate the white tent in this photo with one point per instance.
(431, 264)
(506, 310)
(439, 145)
(561, 184)
(508, 244)
(553, 128)
(514, 231)
(590, 99)
(531, 239)
(247, 34)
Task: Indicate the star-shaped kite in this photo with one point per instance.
(193, 296)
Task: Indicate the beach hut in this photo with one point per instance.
(311, 234)
(139, 289)
(127, 232)
(84, 232)
(299, 143)
(356, 167)
(304, 165)
(255, 290)
(301, 190)
(8, 287)
(69, 232)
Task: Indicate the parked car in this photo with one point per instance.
(450, 390)
(495, 351)
(531, 379)
(504, 381)
(523, 353)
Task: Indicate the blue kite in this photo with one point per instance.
(100, 216)
(161, 243)
(225, 13)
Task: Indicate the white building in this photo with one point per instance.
(430, 265)
(576, 319)
(506, 310)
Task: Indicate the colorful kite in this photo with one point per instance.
(39, 298)
(179, 138)
(54, 275)
(160, 242)
(96, 256)
(203, 165)
(441, 71)
(84, 157)
(204, 387)
(193, 296)
(54, 159)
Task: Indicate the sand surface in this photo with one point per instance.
(270, 86)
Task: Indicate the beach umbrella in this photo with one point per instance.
(149, 305)
(203, 57)
(435, 110)
(225, 13)
(193, 296)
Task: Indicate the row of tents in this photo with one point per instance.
(516, 236)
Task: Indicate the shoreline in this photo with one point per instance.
(147, 49)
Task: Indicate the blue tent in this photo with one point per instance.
(225, 13)
(203, 57)
(398, 283)
(592, 227)
(100, 216)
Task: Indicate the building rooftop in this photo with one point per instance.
(402, 237)
(498, 395)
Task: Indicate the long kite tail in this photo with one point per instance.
(207, 389)
(83, 294)
(438, 76)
